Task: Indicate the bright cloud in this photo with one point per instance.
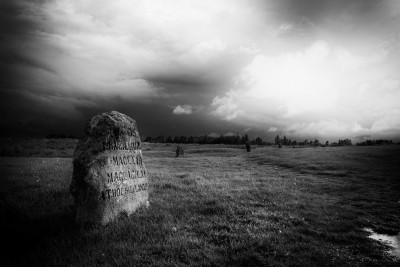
(110, 48)
(182, 110)
(318, 91)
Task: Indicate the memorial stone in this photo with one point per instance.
(248, 147)
(109, 176)
(179, 151)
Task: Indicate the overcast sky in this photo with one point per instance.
(325, 69)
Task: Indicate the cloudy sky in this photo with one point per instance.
(324, 69)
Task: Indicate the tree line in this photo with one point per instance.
(205, 139)
(240, 140)
(376, 143)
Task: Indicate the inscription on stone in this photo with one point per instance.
(109, 175)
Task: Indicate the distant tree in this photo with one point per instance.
(159, 139)
(245, 139)
(285, 140)
(277, 140)
(169, 139)
(259, 141)
(177, 139)
(375, 142)
(59, 136)
(238, 139)
(327, 143)
(184, 139)
(205, 139)
(345, 142)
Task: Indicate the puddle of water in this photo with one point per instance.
(393, 241)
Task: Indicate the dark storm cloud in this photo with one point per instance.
(11, 29)
(21, 51)
(196, 67)
(20, 115)
(182, 80)
(25, 114)
(15, 58)
(334, 19)
(149, 115)
(63, 58)
(321, 10)
(12, 21)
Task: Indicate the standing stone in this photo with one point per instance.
(248, 147)
(179, 151)
(109, 176)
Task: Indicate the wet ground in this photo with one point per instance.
(392, 241)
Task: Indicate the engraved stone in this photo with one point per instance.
(109, 175)
(179, 151)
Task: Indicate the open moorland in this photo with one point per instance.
(217, 205)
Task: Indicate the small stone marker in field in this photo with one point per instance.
(248, 147)
(109, 176)
(179, 151)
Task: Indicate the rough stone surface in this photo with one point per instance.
(179, 151)
(109, 175)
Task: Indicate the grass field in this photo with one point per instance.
(218, 205)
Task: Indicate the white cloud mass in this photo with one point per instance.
(320, 91)
(182, 110)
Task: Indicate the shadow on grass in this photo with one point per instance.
(32, 217)
(24, 234)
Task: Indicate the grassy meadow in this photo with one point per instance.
(216, 206)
